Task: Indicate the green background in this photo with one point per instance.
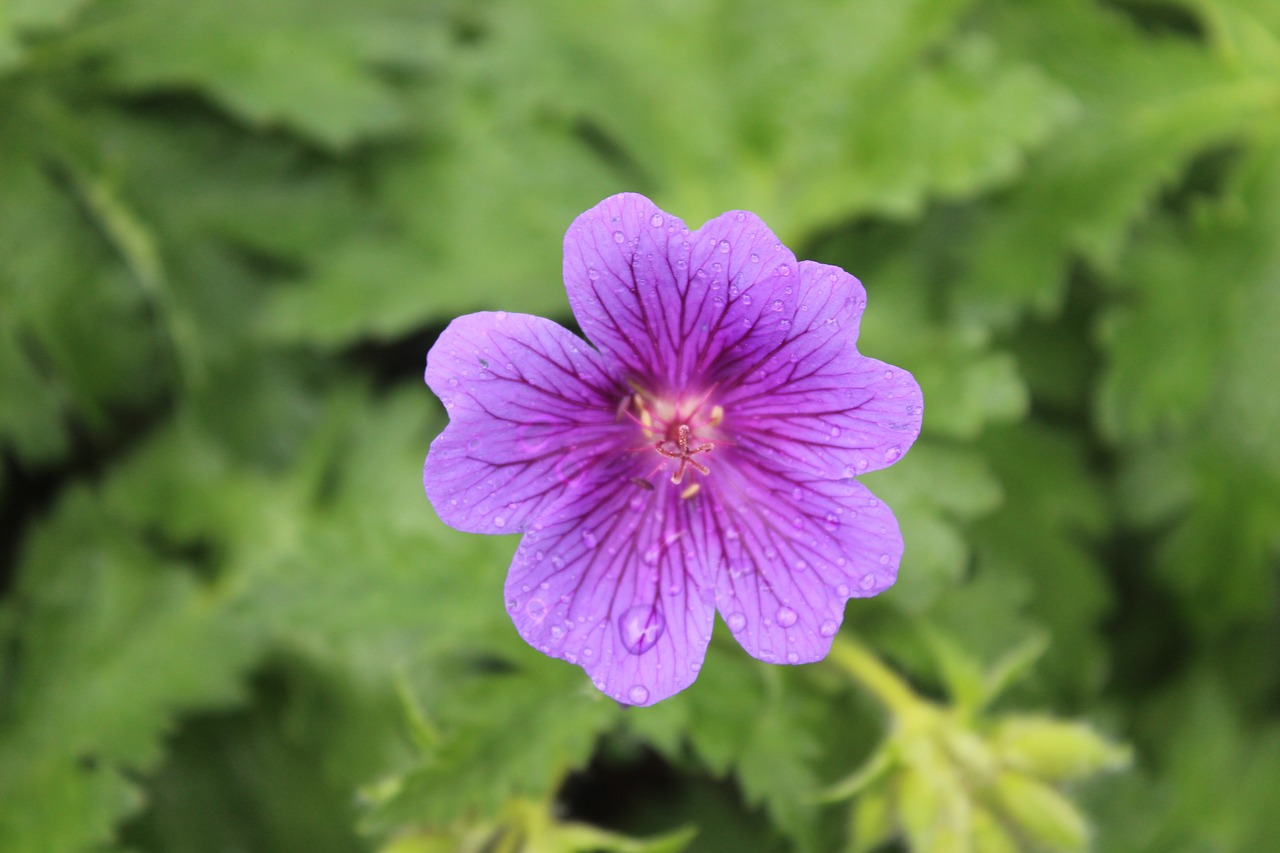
(229, 231)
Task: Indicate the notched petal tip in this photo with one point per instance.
(795, 549)
(520, 392)
(605, 583)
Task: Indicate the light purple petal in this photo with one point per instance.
(615, 580)
(814, 403)
(664, 303)
(530, 406)
(793, 549)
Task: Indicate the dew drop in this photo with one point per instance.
(512, 604)
(786, 324)
(499, 521)
(592, 273)
(777, 305)
(656, 220)
(746, 299)
(793, 657)
(784, 271)
(557, 631)
(638, 694)
(755, 259)
(641, 627)
(617, 237)
(832, 521)
(828, 628)
(884, 559)
(536, 608)
(888, 374)
(737, 622)
(473, 445)
(842, 590)
(868, 581)
(453, 382)
(557, 561)
(786, 617)
(724, 247)
(695, 666)
(892, 454)
(589, 539)
(651, 554)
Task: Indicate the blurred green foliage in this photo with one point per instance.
(229, 232)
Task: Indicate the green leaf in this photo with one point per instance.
(1149, 106)
(116, 638)
(310, 66)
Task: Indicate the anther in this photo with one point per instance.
(642, 483)
(690, 491)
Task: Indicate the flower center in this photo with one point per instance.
(682, 431)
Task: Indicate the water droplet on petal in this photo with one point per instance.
(512, 604)
(793, 657)
(746, 299)
(888, 374)
(786, 324)
(638, 694)
(589, 539)
(557, 631)
(842, 590)
(755, 259)
(536, 608)
(884, 559)
(499, 521)
(835, 432)
(737, 622)
(656, 220)
(777, 305)
(557, 561)
(828, 628)
(786, 617)
(892, 454)
(832, 521)
(724, 247)
(617, 237)
(592, 273)
(641, 627)
(868, 581)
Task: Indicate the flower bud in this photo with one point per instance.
(1056, 750)
(1040, 813)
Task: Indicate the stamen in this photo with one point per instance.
(642, 483)
(717, 415)
(690, 491)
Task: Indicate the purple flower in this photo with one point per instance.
(702, 456)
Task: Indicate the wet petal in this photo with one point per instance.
(530, 406)
(665, 303)
(814, 403)
(614, 580)
(793, 549)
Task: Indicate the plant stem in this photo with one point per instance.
(868, 670)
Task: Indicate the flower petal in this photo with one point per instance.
(793, 550)
(614, 579)
(664, 303)
(530, 406)
(814, 403)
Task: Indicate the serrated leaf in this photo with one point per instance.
(115, 640)
(312, 66)
(1149, 106)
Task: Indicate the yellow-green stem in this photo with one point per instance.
(868, 670)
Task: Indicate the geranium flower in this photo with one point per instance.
(702, 456)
